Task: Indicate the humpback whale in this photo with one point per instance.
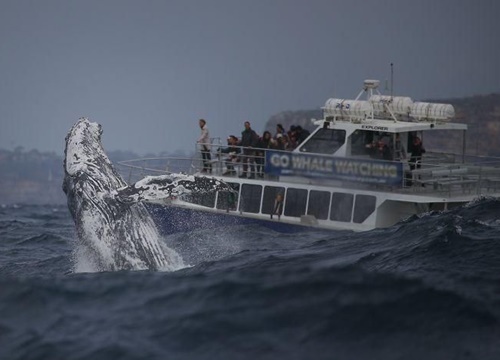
(111, 221)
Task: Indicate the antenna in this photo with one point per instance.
(392, 79)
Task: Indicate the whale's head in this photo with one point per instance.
(84, 150)
(88, 171)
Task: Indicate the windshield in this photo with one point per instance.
(324, 141)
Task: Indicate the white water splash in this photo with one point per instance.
(175, 261)
(98, 253)
(84, 261)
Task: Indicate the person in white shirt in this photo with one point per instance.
(204, 144)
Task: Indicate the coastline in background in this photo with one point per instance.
(33, 177)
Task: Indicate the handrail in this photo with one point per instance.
(439, 172)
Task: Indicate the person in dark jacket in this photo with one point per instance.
(417, 150)
(249, 139)
(301, 134)
(265, 142)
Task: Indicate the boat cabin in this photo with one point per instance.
(358, 128)
(372, 141)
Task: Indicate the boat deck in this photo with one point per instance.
(439, 174)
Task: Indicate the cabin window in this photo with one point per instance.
(207, 199)
(341, 207)
(227, 200)
(364, 207)
(250, 198)
(324, 141)
(359, 141)
(295, 202)
(319, 204)
(269, 200)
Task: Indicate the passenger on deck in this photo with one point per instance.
(280, 130)
(385, 147)
(280, 142)
(278, 206)
(379, 149)
(204, 144)
(301, 134)
(372, 149)
(232, 151)
(265, 142)
(399, 149)
(249, 139)
(417, 150)
(292, 143)
(291, 139)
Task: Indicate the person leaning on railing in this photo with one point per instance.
(232, 150)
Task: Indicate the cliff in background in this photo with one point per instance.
(482, 115)
(32, 177)
(289, 118)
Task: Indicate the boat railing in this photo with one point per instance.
(220, 162)
(457, 176)
(135, 169)
(444, 173)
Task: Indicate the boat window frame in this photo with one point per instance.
(360, 213)
(244, 202)
(236, 186)
(314, 202)
(346, 211)
(289, 198)
(264, 202)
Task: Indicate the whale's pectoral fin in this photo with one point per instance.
(165, 186)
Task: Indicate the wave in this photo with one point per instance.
(428, 287)
(276, 308)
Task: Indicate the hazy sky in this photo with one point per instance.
(148, 70)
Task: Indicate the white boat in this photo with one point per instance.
(350, 173)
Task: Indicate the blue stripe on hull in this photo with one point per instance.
(171, 220)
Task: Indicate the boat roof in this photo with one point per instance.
(387, 113)
(392, 126)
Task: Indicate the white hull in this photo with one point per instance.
(361, 210)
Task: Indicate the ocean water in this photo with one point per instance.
(426, 288)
